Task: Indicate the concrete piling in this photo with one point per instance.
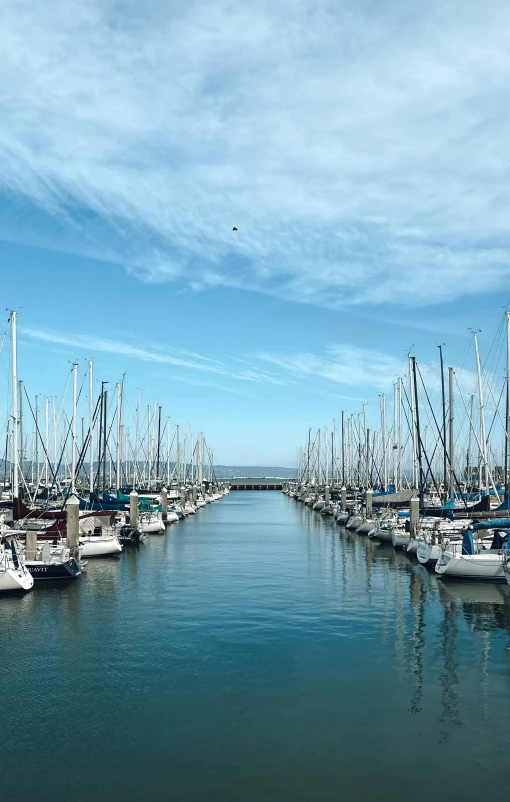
(133, 508)
(73, 525)
(164, 504)
(368, 503)
(31, 544)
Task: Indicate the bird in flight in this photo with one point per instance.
(234, 229)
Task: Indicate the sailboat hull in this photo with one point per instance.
(14, 580)
(70, 569)
(486, 565)
(100, 546)
(428, 552)
(383, 534)
(400, 540)
(153, 528)
(366, 527)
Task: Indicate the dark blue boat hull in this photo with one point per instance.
(67, 570)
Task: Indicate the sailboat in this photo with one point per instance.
(433, 533)
(96, 539)
(14, 575)
(52, 562)
(471, 559)
(151, 523)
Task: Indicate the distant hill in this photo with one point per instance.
(253, 471)
(221, 471)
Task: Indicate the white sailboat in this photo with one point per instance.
(342, 517)
(355, 520)
(433, 533)
(97, 540)
(470, 559)
(14, 576)
(388, 523)
(151, 523)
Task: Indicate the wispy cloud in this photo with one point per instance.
(364, 368)
(343, 364)
(149, 352)
(360, 149)
(209, 385)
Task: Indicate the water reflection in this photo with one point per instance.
(441, 631)
(417, 597)
(448, 677)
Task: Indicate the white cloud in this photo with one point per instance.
(343, 364)
(361, 149)
(368, 368)
(149, 352)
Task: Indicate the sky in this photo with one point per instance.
(360, 148)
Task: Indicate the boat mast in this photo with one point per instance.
(413, 422)
(400, 433)
(105, 404)
(383, 437)
(46, 440)
(343, 449)
(178, 458)
(418, 436)
(137, 444)
(450, 402)
(507, 422)
(73, 430)
(468, 455)
(55, 432)
(395, 435)
(307, 479)
(15, 469)
(159, 444)
(149, 444)
(21, 439)
(444, 421)
(326, 456)
(333, 454)
(192, 456)
(368, 482)
(168, 447)
(118, 466)
(366, 434)
(482, 416)
(91, 434)
(37, 475)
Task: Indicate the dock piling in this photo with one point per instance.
(133, 509)
(73, 525)
(164, 504)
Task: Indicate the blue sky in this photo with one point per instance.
(361, 150)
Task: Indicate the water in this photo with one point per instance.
(256, 652)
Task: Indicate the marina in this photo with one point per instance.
(272, 648)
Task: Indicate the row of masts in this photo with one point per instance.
(43, 449)
(416, 445)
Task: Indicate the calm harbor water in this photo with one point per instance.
(256, 652)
